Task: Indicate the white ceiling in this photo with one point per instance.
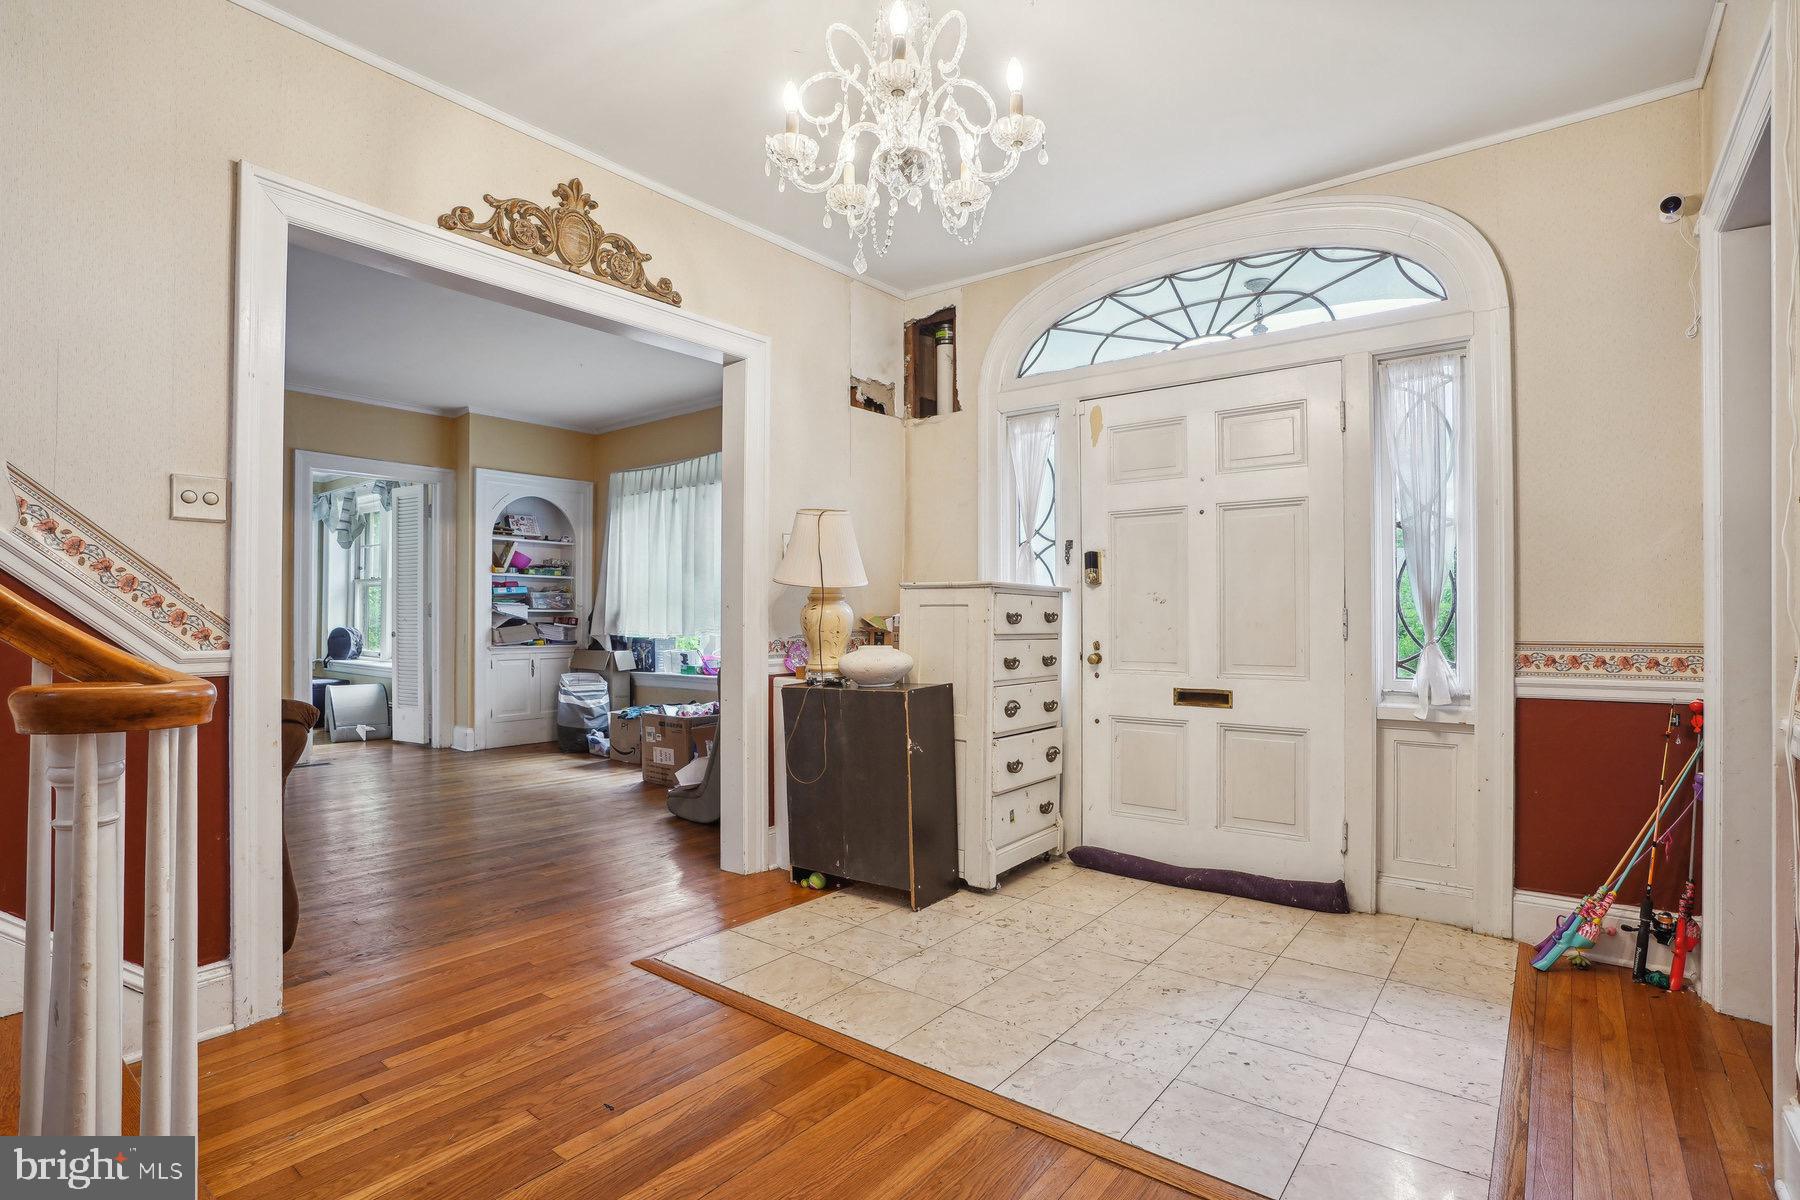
(362, 333)
(1157, 109)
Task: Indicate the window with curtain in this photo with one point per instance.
(1031, 453)
(355, 564)
(664, 541)
(1422, 499)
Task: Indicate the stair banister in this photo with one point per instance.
(85, 696)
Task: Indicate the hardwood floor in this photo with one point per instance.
(1618, 1090)
(463, 1021)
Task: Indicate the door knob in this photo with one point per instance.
(1094, 659)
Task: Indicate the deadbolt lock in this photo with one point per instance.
(1090, 567)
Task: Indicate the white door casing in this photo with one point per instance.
(1217, 509)
(406, 599)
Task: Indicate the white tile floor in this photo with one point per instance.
(1301, 1055)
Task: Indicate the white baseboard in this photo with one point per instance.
(462, 737)
(215, 990)
(1787, 1151)
(1535, 914)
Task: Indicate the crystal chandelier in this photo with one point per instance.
(923, 137)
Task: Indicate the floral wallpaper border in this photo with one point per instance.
(81, 548)
(1540, 660)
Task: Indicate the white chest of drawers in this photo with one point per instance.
(1000, 647)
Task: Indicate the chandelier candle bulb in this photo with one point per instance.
(1015, 83)
(790, 100)
(897, 27)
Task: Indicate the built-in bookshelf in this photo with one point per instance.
(532, 594)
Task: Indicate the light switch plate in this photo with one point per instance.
(197, 498)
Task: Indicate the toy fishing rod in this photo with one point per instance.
(1687, 934)
(1647, 906)
(1579, 929)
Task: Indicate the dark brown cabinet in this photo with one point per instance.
(871, 786)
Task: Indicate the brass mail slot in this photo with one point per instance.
(1202, 698)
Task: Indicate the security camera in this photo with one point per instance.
(1670, 208)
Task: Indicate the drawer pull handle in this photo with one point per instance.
(1011, 664)
(1015, 766)
(1046, 806)
(1049, 660)
(1013, 618)
(1052, 754)
(1051, 705)
(1051, 618)
(1012, 708)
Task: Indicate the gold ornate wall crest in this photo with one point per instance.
(564, 236)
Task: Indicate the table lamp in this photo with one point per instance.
(822, 555)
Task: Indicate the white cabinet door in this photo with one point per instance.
(550, 668)
(1214, 712)
(512, 688)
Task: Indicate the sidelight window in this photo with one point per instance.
(1421, 505)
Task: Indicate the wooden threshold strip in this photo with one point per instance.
(1132, 1158)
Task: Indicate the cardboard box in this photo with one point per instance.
(625, 734)
(669, 744)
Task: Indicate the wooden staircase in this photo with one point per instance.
(61, 1062)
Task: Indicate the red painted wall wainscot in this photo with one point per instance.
(1586, 780)
(214, 852)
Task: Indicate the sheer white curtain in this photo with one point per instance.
(1418, 399)
(1030, 440)
(664, 530)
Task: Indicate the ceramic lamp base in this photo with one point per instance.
(826, 622)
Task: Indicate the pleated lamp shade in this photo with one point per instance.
(822, 552)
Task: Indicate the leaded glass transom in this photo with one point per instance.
(1224, 301)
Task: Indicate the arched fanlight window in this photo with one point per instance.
(1223, 301)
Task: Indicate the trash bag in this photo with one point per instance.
(581, 708)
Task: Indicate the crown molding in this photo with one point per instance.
(306, 29)
(677, 408)
(443, 91)
(1680, 87)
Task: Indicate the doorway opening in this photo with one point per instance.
(489, 431)
(371, 568)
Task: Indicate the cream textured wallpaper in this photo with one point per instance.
(1607, 388)
(115, 346)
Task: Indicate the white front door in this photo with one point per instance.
(1213, 686)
